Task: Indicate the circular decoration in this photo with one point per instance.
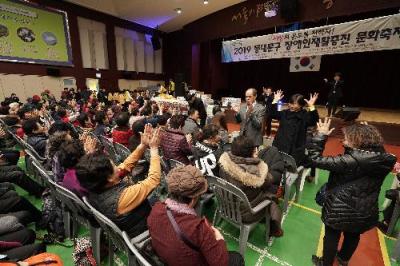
(3, 31)
(49, 38)
(27, 35)
(305, 61)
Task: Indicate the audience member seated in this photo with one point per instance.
(276, 166)
(17, 241)
(11, 202)
(244, 169)
(69, 155)
(219, 119)
(137, 129)
(101, 128)
(122, 132)
(174, 144)
(54, 144)
(207, 151)
(83, 121)
(192, 241)
(191, 126)
(124, 204)
(37, 137)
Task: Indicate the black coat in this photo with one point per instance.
(276, 166)
(199, 106)
(292, 131)
(335, 92)
(353, 186)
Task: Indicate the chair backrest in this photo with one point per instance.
(122, 151)
(111, 229)
(109, 147)
(31, 152)
(290, 162)
(44, 175)
(229, 199)
(174, 163)
(140, 259)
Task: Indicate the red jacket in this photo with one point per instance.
(175, 146)
(121, 136)
(173, 250)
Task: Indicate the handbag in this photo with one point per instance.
(320, 197)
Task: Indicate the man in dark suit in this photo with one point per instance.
(266, 99)
(335, 93)
(251, 117)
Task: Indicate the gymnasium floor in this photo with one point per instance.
(303, 231)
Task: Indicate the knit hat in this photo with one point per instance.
(186, 181)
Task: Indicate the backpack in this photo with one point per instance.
(52, 217)
(83, 252)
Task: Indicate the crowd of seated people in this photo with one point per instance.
(66, 134)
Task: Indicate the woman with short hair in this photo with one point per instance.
(350, 200)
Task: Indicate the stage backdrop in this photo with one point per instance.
(382, 33)
(33, 34)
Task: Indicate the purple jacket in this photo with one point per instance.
(175, 146)
(71, 182)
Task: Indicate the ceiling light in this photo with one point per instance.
(205, 2)
(178, 10)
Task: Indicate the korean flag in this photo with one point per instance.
(305, 63)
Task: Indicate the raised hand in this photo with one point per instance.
(189, 138)
(90, 144)
(312, 100)
(2, 133)
(145, 137)
(155, 139)
(323, 126)
(278, 95)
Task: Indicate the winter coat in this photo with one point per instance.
(251, 176)
(190, 126)
(175, 146)
(353, 187)
(38, 143)
(206, 157)
(292, 131)
(121, 135)
(276, 166)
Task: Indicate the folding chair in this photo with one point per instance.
(396, 250)
(230, 199)
(109, 147)
(115, 236)
(133, 252)
(291, 175)
(395, 217)
(122, 151)
(74, 210)
(174, 163)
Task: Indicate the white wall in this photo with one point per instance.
(28, 85)
(93, 43)
(135, 52)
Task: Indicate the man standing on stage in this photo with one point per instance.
(266, 99)
(335, 93)
(251, 118)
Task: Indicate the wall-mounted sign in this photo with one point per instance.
(33, 34)
(382, 33)
(263, 10)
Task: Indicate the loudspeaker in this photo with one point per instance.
(155, 41)
(126, 75)
(55, 72)
(350, 113)
(179, 78)
(289, 9)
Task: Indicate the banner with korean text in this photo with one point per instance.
(382, 33)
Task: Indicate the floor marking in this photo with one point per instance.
(263, 253)
(382, 243)
(321, 241)
(389, 237)
(304, 207)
